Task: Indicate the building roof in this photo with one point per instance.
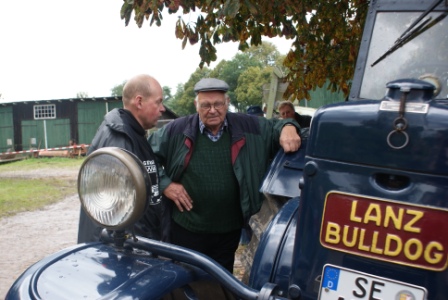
(110, 98)
(169, 114)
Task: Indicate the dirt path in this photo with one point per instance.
(30, 236)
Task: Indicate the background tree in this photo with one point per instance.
(266, 53)
(82, 95)
(117, 91)
(172, 103)
(325, 34)
(183, 103)
(166, 93)
(230, 71)
(250, 86)
(167, 96)
(256, 56)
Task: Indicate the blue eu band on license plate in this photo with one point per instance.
(346, 284)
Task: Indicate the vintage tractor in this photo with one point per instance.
(361, 208)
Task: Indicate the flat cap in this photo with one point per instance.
(255, 110)
(211, 84)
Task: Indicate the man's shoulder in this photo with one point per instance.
(303, 120)
(243, 122)
(182, 123)
(240, 117)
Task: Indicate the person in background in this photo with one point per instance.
(126, 128)
(255, 110)
(286, 110)
(213, 163)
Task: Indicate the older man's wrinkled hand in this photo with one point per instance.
(290, 139)
(177, 193)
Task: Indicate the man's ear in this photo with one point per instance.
(138, 101)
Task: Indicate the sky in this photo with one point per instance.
(55, 49)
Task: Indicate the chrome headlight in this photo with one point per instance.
(112, 187)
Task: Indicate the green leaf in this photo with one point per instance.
(252, 7)
(330, 31)
(184, 42)
(231, 8)
(125, 13)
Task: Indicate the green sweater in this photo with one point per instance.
(211, 183)
(254, 141)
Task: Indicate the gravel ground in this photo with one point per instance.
(30, 236)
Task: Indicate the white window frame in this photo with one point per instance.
(44, 111)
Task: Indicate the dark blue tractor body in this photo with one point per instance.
(361, 210)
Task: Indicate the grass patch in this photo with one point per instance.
(42, 163)
(17, 195)
(25, 194)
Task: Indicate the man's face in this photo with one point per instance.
(152, 107)
(286, 112)
(212, 108)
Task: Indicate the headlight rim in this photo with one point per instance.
(140, 179)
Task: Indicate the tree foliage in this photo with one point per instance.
(172, 102)
(183, 102)
(325, 34)
(242, 91)
(230, 71)
(166, 93)
(250, 86)
(117, 90)
(82, 95)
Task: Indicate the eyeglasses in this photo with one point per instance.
(208, 106)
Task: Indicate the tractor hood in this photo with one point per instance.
(99, 271)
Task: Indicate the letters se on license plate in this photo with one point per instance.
(345, 284)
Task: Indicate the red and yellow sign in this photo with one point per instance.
(387, 230)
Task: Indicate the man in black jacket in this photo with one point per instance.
(126, 128)
(286, 110)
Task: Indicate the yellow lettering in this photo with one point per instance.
(361, 245)
(354, 236)
(332, 235)
(417, 216)
(418, 249)
(391, 216)
(353, 216)
(434, 257)
(373, 213)
(375, 243)
(388, 249)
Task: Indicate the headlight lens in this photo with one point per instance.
(112, 187)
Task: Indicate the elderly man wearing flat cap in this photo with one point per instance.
(213, 163)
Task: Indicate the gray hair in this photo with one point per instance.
(285, 103)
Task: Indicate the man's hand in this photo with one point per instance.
(290, 139)
(177, 193)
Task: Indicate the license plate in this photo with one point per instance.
(346, 284)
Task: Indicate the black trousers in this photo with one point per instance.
(219, 246)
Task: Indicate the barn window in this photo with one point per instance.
(44, 111)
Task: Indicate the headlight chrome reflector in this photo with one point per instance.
(112, 187)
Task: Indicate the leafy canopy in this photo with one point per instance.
(117, 90)
(245, 73)
(250, 86)
(325, 34)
